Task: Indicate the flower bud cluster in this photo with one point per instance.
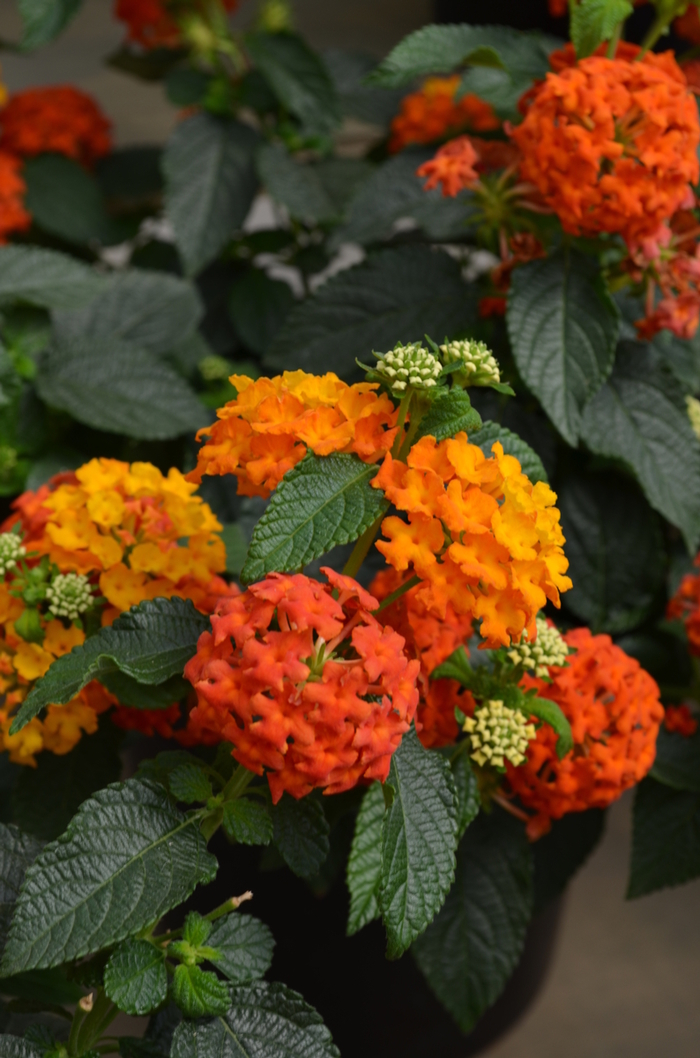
(497, 734)
(11, 549)
(479, 365)
(69, 595)
(408, 365)
(548, 649)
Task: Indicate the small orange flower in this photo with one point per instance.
(432, 114)
(452, 167)
(61, 119)
(679, 718)
(310, 688)
(685, 606)
(13, 215)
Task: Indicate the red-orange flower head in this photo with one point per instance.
(679, 718)
(614, 710)
(150, 24)
(313, 689)
(479, 535)
(432, 114)
(685, 607)
(272, 423)
(13, 215)
(60, 119)
(611, 145)
(452, 167)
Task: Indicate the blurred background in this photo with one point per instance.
(623, 983)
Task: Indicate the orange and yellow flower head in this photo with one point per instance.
(432, 113)
(614, 710)
(478, 534)
(611, 145)
(311, 688)
(13, 216)
(273, 422)
(61, 119)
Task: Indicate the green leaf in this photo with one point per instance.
(321, 502)
(456, 667)
(66, 201)
(449, 415)
(248, 822)
(151, 642)
(47, 797)
(298, 78)
(210, 185)
(137, 1047)
(523, 58)
(17, 852)
(593, 21)
(550, 713)
(135, 977)
(188, 783)
(196, 930)
(46, 278)
(365, 860)
(236, 545)
(340, 178)
(401, 294)
(468, 800)
(151, 309)
(48, 987)
(682, 357)
(561, 852)
(677, 762)
(13, 1047)
(258, 306)
(563, 327)
(295, 185)
(130, 692)
(127, 857)
(301, 834)
(639, 416)
(244, 945)
(474, 944)
(199, 993)
(419, 837)
(615, 551)
(131, 175)
(117, 387)
(263, 1021)
(348, 69)
(513, 445)
(665, 838)
(42, 20)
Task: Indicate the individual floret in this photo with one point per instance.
(548, 649)
(498, 734)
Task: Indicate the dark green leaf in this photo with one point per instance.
(321, 502)
(131, 174)
(210, 185)
(365, 860)
(135, 977)
(42, 20)
(298, 78)
(13, 1047)
(348, 69)
(473, 946)
(560, 853)
(639, 416)
(65, 200)
(46, 278)
(449, 415)
(615, 551)
(236, 545)
(161, 767)
(550, 713)
(130, 692)
(665, 839)
(137, 1047)
(244, 945)
(682, 357)
(188, 783)
(151, 642)
(593, 21)
(340, 179)
(264, 1021)
(294, 185)
(48, 987)
(248, 822)
(397, 295)
(468, 801)
(127, 857)
(199, 993)
(677, 762)
(258, 306)
(513, 445)
(456, 667)
(563, 327)
(419, 837)
(301, 834)
(17, 852)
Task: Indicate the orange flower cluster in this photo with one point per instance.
(13, 215)
(433, 114)
(452, 167)
(685, 607)
(479, 535)
(135, 535)
(679, 718)
(150, 24)
(611, 145)
(310, 687)
(273, 421)
(61, 119)
(676, 272)
(431, 641)
(614, 710)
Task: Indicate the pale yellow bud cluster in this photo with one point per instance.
(479, 365)
(497, 734)
(11, 550)
(408, 365)
(548, 649)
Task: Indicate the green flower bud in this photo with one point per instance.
(479, 365)
(407, 366)
(11, 549)
(214, 368)
(693, 407)
(28, 626)
(497, 734)
(69, 595)
(548, 649)
(276, 16)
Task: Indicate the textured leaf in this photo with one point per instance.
(561, 852)
(615, 551)
(188, 783)
(665, 838)
(321, 502)
(210, 184)
(397, 295)
(48, 987)
(248, 822)
(264, 1021)
(46, 278)
(450, 415)
(42, 20)
(199, 993)
(341, 177)
(117, 387)
(348, 69)
(14, 1047)
(301, 834)
(258, 306)
(563, 327)
(365, 860)
(17, 852)
(593, 21)
(294, 185)
(639, 416)
(65, 200)
(677, 762)
(129, 692)
(550, 713)
(513, 445)
(419, 837)
(468, 801)
(244, 945)
(135, 977)
(236, 545)
(298, 78)
(151, 642)
(127, 857)
(473, 946)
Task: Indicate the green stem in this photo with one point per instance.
(615, 40)
(90, 1029)
(361, 548)
(659, 26)
(78, 1019)
(406, 586)
(408, 440)
(231, 904)
(403, 412)
(236, 785)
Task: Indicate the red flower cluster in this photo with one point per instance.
(312, 688)
(679, 718)
(150, 24)
(685, 606)
(614, 710)
(13, 215)
(61, 119)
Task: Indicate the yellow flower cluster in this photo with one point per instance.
(548, 649)
(497, 734)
